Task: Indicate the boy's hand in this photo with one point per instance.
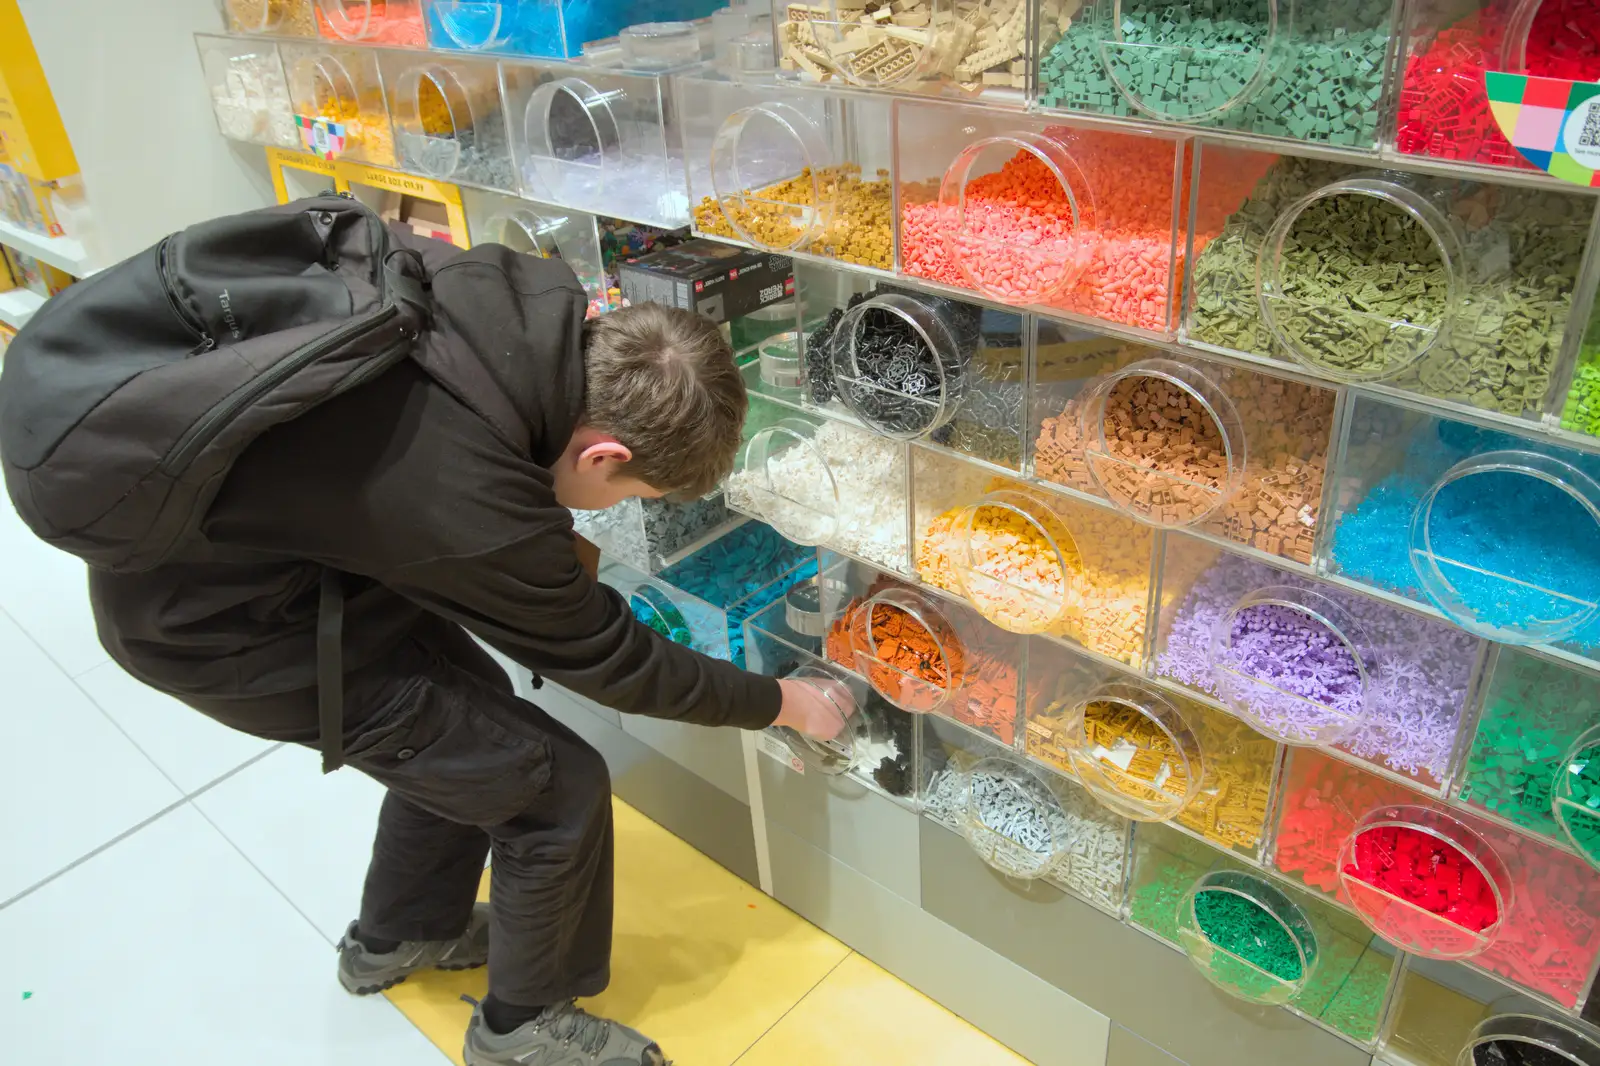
(815, 707)
(588, 555)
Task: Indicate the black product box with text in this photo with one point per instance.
(712, 279)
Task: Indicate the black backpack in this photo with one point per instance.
(127, 398)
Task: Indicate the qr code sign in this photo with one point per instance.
(1582, 133)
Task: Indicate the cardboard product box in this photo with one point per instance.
(716, 280)
(30, 126)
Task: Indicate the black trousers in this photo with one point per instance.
(473, 772)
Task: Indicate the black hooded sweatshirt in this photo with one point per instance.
(403, 486)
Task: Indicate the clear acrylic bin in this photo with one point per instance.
(339, 92)
(1577, 794)
(878, 744)
(740, 572)
(1311, 72)
(680, 617)
(1028, 211)
(789, 168)
(962, 386)
(1345, 971)
(921, 653)
(646, 533)
(249, 93)
(557, 29)
(1031, 561)
(1536, 713)
(1444, 109)
(1455, 290)
(1438, 511)
(1180, 441)
(544, 230)
(1548, 937)
(1025, 821)
(449, 121)
(600, 139)
(920, 46)
(393, 23)
(1580, 411)
(1219, 772)
(1307, 662)
(820, 481)
(276, 18)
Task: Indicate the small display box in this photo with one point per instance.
(1444, 108)
(1147, 754)
(1257, 938)
(1438, 510)
(547, 231)
(1025, 821)
(1031, 561)
(976, 49)
(597, 137)
(708, 278)
(739, 573)
(557, 29)
(1455, 290)
(923, 653)
(1439, 881)
(876, 743)
(449, 122)
(1312, 663)
(1182, 442)
(339, 101)
(789, 168)
(1447, 1015)
(820, 481)
(276, 18)
(395, 23)
(249, 93)
(1533, 756)
(1311, 72)
(915, 366)
(1028, 211)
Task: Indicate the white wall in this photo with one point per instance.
(127, 82)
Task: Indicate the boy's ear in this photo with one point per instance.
(604, 451)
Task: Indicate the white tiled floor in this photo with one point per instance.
(170, 891)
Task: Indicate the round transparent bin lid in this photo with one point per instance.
(1135, 752)
(1515, 1039)
(1215, 80)
(1191, 458)
(1247, 937)
(660, 45)
(1445, 892)
(844, 695)
(766, 176)
(434, 118)
(1478, 544)
(474, 25)
(1514, 44)
(780, 361)
(1575, 799)
(880, 55)
(1294, 664)
(997, 529)
(790, 483)
(898, 365)
(1039, 261)
(526, 231)
(907, 650)
(1013, 820)
(653, 606)
(324, 82)
(351, 19)
(573, 136)
(1356, 335)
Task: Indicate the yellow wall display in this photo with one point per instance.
(345, 175)
(30, 125)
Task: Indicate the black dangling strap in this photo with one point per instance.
(330, 671)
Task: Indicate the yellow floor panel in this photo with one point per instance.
(702, 962)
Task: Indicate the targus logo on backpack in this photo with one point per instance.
(227, 316)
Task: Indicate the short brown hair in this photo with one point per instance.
(663, 382)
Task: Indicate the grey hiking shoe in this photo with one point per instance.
(562, 1036)
(364, 972)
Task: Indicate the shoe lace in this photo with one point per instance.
(571, 1024)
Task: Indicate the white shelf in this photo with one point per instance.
(18, 305)
(63, 253)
